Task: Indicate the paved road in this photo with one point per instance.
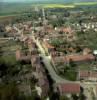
(52, 72)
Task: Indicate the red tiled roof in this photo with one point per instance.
(88, 74)
(69, 88)
(74, 58)
(77, 58)
(84, 74)
(93, 74)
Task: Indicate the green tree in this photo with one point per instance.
(9, 92)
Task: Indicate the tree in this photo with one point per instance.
(9, 92)
(75, 97)
(82, 96)
(72, 64)
(64, 98)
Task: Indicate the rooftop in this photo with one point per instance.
(69, 88)
(88, 74)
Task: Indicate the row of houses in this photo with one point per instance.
(19, 28)
(50, 44)
(51, 32)
(77, 58)
(58, 57)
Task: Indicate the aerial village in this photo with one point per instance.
(60, 59)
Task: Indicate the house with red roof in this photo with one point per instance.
(69, 88)
(88, 75)
(77, 58)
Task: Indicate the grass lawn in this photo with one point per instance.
(13, 15)
(69, 75)
(9, 46)
(8, 52)
(9, 15)
(85, 66)
(9, 59)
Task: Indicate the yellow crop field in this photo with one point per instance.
(68, 5)
(85, 3)
(58, 6)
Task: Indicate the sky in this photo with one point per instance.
(20, 0)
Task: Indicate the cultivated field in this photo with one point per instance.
(69, 5)
(58, 6)
(12, 10)
(85, 3)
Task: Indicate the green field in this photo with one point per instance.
(16, 9)
(9, 15)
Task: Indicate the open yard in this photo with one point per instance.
(8, 47)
